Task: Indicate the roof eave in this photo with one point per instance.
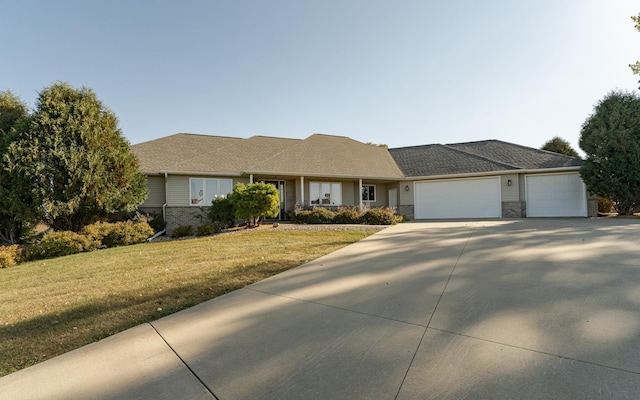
(199, 173)
(323, 175)
(492, 173)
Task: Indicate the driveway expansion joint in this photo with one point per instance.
(184, 363)
(336, 307)
(546, 353)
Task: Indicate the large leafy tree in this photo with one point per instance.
(17, 208)
(82, 167)
(610, 138)
(560, 146)
(636, 66)
(255, 201)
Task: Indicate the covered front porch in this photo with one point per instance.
(326, 191)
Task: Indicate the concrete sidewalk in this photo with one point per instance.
(512, 309)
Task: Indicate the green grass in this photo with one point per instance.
(50, 307)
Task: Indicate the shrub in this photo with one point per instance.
(222, 212)
(605, 205)
(380, 216)
(107, 234)
(9, 256)
(155, 221)
(346, 215)
(95, 233)
(127, 233)
(318, 215)
(57, 244)
(255, 201)
(182, 231)
(207, 229)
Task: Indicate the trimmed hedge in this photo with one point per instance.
(347, 215)
(208, 229)
(318, 215)
(380, 216)
(321, 215)
(182, 231)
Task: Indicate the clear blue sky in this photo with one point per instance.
(396, 72)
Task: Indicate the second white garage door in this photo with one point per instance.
(458, 198)
(557, 195)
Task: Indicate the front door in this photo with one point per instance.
(281, 188)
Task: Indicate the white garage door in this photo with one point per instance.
(558, 195)
(458, 198)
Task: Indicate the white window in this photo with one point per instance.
(202, 191)
(325, 193)
(368, 192)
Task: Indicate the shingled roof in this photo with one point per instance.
(317, 155)
(476, 157)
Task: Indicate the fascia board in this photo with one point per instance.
(320, 175)
(201, 173)
(493, 173)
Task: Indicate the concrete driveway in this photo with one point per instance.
(511, 309)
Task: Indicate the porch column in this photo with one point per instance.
(360, 193)
(250, 178)
(302, 191)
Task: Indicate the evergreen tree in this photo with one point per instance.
(611, 139)
(560, 146)
(82, 167)
(17, 207)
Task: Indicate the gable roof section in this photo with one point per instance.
(317, 155)
(476, 157)
(183, 151)
(326, 155)
(515, 154)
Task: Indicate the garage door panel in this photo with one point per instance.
(461, 198)
(559, 195)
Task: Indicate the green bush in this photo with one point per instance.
(182, 231)
(57, 244)
(348, 215)
(108, 234)
(127, 233)
(9, 256)
(95, 233)
(381, 216)
(221, 212)
(318, 215)
(207, 229)
(155, 221)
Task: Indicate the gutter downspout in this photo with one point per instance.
(360, 194)
(164, 206)
(164, 211)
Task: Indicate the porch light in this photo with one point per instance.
(406, 188)
(508, 182)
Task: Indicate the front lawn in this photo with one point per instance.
(52, 306)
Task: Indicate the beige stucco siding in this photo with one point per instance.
(155, 186)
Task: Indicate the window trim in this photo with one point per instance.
(368, 192)
(193, 200)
